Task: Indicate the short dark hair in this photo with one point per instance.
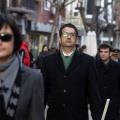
(105, 46)
(83, 46)
(77, 45)
(8, 20)
(68, 25)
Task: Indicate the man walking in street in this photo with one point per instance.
(109, 81)
(70, 78)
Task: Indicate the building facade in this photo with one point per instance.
(35, 18)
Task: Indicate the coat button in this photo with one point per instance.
(65, 76)
(64, 91)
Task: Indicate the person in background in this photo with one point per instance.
(30, 54)
(115, 55)
(83, 48)
(70, 78)
(24, 53)
(109, 81)
(53, 49)
(77, 47)
(21, 88)
(42, 54)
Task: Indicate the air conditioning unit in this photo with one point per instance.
(76, 15)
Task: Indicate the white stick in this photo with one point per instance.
(105, 109)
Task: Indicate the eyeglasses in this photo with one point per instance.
(5, 37)
(66, 34)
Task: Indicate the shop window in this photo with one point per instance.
(47, 5)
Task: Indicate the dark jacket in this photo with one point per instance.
(31, 59)
(66, 92)
(30, 106)
(109, 84)
(39, 60)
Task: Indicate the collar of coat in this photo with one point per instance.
(100, 63)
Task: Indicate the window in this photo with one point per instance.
(29, 4)
(75, 14)
(47, 5)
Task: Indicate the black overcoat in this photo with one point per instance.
(109, 84)
(66, 91)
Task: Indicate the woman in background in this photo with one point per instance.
(45, 52)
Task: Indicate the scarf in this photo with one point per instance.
(66, 61)
(13, 67)
(5, 65)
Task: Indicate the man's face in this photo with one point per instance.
(68, 37)
(114, 57)
(104, 54)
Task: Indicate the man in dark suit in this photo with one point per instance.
(109, 80)
(70, 78)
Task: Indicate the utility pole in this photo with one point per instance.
(3, 6)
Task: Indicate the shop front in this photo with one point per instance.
(40, 35)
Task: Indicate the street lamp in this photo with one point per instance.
(97, 5)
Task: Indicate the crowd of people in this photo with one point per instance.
(69, 81)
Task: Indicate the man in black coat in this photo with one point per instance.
(70, 78)
(109, 80)
(115, 55)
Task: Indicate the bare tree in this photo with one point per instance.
(91, 25)
(59, 5)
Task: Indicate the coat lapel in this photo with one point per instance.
(58, 60)
(75, 61)
(24, 74)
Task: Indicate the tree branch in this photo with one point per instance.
(53, 4)
(69, 2)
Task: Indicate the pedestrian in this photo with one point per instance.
(70, 78)
(24, 52)
(109, 81)
(21, 88)
(77, 46)
(31, 55)
(45, 51)
(115, 55)
(83, 48)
